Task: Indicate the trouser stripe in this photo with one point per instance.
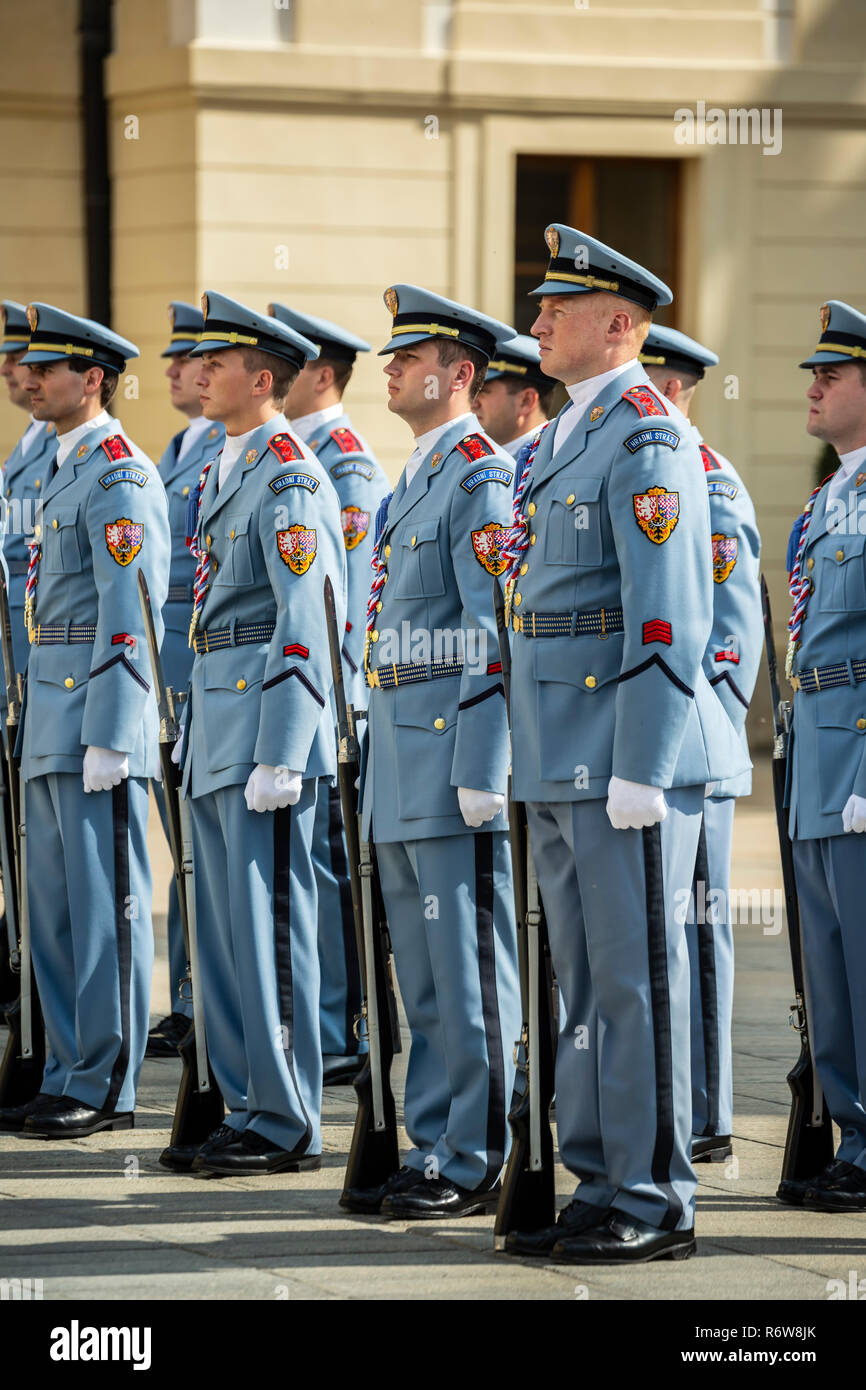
(340, 870)
(496, 1111)
(123, 935)
(661, 1015)
(283, 953)
(707, 976)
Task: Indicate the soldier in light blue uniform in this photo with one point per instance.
(433, 788)
(827, 662)
(180, 467)
(90, 733)
(516, 400)
(617, 731)
(318, 418)
(25, 473)
(676, 364)
(259, 734)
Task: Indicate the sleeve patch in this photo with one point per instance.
(124, 539)
(494, 668)
(124, 475)
(657, 512)
(296, 649)
(487, 475)
(724, 556)
(709, 458)
(489, 544)
(285, 480)
(285, 447)
(116, 447)
(652, 436)
(297, 548)
(346, 441)
(355, 525)
(645, 401)
(475, 447)
(729, 490)
(345, 468)
(657, 630)
(727, 656)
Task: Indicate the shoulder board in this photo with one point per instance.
(347, 466)
(709, 458)
(645, 401)
(285, 447)
(346, 441)
(654, 434)
(124, 475)
(474, 447)
(116, 447)
(487, 475)
(293, 480)
(726, 489)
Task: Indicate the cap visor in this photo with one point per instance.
(823, 359)
(33, 355)
(559, 287)
(180, 349)
(406, 340)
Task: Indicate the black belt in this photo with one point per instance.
(179, 593)
(597, 624)
(411, 673)
(18, 566)
(52, 634)
(217, 638)
(813, 678)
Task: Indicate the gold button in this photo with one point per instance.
(207, 541)
(840, 555)
(374, 636)
(531, 509)
(242, 685)
(861, 723)
(590, 682)
(379, 606)
(533, 539)
(69, 682)
(37, 531)
(185, 491)
(214, 566)
(439, 723)
(569, 499)
(387, 550)
(54, 522)
(523, 569)
(810, 563)
(414, 539)
(518, 599)
(231, 535)
(384, 579)
(38, 483)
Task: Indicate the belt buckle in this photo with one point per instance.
(794, 682)
(517, 623)
(373, 679)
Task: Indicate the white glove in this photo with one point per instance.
(104, 769)
(854, 815)
(176, 751)
(478, 807)
(632, 806)
(272, 788)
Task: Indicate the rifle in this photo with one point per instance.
(24, 1059)
(375, 1153)
(809, 1142)
(528, 1198)
(199, 1108)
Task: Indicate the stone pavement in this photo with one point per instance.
(99, 1219)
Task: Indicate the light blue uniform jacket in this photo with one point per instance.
(426, 740)
(270, 701)
(636, 703)
(24, 479)
(105, 517)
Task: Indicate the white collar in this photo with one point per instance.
(194, 430)
(67, 442)
(426, 443)
(31, 433)
(306, 425)
(582, 392)
(514, 446)
(848, 462)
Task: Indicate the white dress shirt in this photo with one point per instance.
(849, 464)
(305, 426)
(232, 449)
(193, 432)
(67, 442)
(583, 393)
(515, 445)
(426, 443)
(30, 435)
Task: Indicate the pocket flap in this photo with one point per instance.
(587, 663)
(63, 516)
(426, 705)
(239, 680)
(571, 490)
(840, 708)
(238, 525)
(421, 531)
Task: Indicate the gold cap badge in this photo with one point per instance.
(551, 236)
(391, 301)
(171, 315)
(824, 315)
(32, 317)
(204, 304)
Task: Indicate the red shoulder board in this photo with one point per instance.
(346, 441)
(285, 447)
(645, 401)
(709, 458)
(474, 446)
(116, 447)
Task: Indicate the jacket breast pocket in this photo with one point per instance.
(229, 712)
(237, 567)
(573, 530)
(841, 576)
(420, 563)
(425, 732)
(838, 741)
(61, 552)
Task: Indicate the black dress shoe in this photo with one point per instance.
(367, 1201)
(576, 1217)
(165, 1037)
(791, 1191)
(842, 1190)
(179, 1157)
(621, 1239)
(434, 1198)
(69, 1118)
(711, 1148)
(341, 1071)
(12, 1119)
(251, 1155)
